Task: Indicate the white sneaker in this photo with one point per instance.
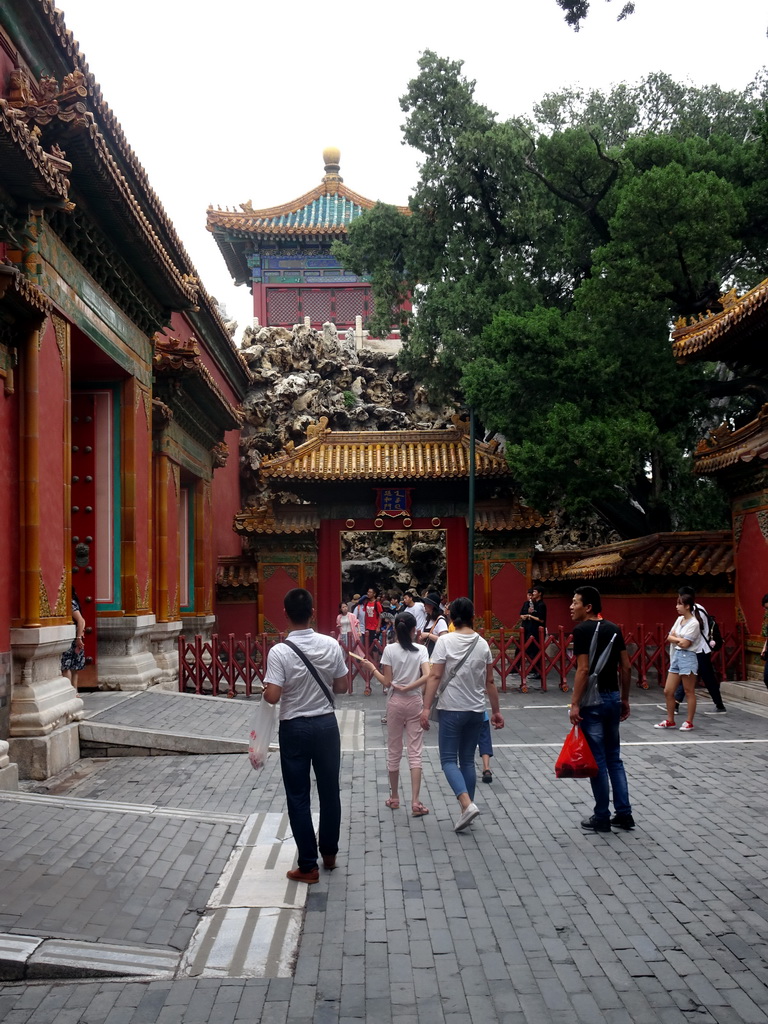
(467, 816)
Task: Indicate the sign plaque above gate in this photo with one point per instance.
(393, 501)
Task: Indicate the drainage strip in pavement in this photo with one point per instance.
(252, 925)
(211, 817)
(30, 957)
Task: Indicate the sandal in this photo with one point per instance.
(665, 725)
(418, 810)
(487, 775)
(393, 802)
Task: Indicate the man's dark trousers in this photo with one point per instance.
(312, 742)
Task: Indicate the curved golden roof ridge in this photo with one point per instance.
(72, 49)
(690, 339)
(325, 188)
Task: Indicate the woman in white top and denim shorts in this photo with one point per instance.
(461, 704)
(683, 639)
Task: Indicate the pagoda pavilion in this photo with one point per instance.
(283, 254)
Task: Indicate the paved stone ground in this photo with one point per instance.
(523, 918)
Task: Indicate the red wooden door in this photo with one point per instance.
(84, 525)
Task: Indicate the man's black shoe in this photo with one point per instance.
(623, 821)
(593, 825)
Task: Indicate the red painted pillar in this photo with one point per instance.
(328, 584)
(457, 547)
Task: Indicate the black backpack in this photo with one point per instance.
(715, 636)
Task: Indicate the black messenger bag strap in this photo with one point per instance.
(313, 670)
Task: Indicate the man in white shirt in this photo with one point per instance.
(417, 610)
(309, 732)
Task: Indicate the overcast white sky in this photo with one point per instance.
(236, 99)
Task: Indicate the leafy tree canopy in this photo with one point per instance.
(548, 256)
(577, 10)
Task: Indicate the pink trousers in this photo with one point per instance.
(403, 711)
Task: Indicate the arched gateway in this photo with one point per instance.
(378, 481)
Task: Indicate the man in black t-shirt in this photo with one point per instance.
(533, 616)
(600, 721)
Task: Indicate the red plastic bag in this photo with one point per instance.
(576, 760)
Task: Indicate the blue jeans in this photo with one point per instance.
(457, 741)
(312, 742)
(600, 725)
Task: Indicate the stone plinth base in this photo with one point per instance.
(125, 658)
(165, 650)
(9, 773)
(9, 779)
(40, 757)
(198, 625)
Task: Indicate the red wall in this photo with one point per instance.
(226, 500)
(751, 557)
(240, 618)
(645, 609)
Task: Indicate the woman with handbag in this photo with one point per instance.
(461, 677)
(404, 673)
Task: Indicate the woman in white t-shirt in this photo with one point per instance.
(404, 673)
(684, 637)
(462, 661)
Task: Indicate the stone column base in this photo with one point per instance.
(40, 757)
(125, 660)
(165, 650)
(198, 625)
(9, 773)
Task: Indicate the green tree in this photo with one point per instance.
(577, 10)
(548, 257)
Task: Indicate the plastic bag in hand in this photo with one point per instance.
(261, 732)
(576, 760)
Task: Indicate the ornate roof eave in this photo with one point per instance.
(693, 553)
(71, 57)
(391, 455)
(280, 519)
(97, 177)
(236, 572)
(29, 172)
(27, 297)
(725, 447)
(182, 364)
(212, 327)
(492, 516)
(707, 337)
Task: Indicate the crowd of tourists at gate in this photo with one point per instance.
(440, 671)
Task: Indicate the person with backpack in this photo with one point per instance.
(710, 642)
(600, 704)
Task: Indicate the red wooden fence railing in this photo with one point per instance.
(230, 666)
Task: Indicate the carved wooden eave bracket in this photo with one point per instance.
(724, 447)
(180, 363)
(30, 173)
(28, 300)
(61, 114)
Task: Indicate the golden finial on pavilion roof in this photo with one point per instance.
(331, 159)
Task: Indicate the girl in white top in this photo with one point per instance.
(464, 661)
(404, 673)
(684, 638)
(347, 628)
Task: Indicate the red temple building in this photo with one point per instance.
(736, 336)
(119, 405)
